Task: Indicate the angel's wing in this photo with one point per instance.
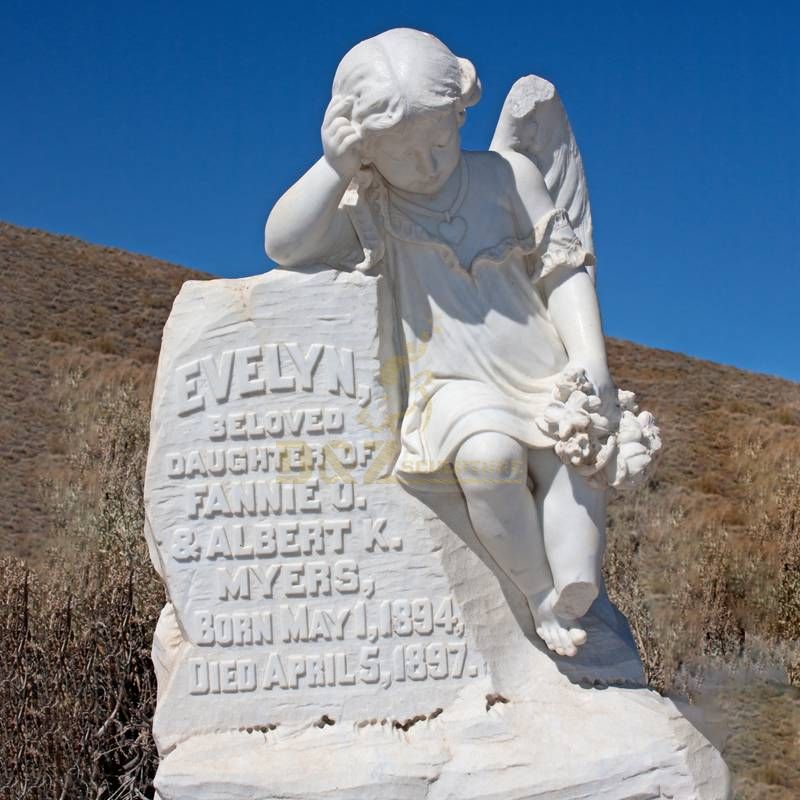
(533, 122)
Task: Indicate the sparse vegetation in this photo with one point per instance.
(64, 303)
(712, 592)
(77, 688)
(705, 561)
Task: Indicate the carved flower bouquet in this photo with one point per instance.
(621, 456)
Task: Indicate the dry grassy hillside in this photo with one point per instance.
(705, 561)
(65, 303)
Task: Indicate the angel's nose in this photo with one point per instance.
(426, 164)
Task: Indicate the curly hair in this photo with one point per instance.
(402, 71)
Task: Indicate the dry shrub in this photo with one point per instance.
(711, 588)
(77, 690)
(697, 590)
(626, 587)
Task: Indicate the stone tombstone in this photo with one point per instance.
(368, 597)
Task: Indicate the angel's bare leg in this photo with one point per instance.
(572, 515)
(492, 470)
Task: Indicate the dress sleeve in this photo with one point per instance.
(355, 203)
(557, 245)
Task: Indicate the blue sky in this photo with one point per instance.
(171, 128)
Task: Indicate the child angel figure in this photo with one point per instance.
(490, 262)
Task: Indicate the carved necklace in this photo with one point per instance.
(451, 227)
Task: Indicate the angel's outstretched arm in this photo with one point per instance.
(569, 291)
(574, 310)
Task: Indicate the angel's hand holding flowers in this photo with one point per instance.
(607, 391)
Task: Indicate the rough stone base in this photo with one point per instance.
(574, 743)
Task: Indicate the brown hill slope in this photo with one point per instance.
(64, 304)
(705, 561)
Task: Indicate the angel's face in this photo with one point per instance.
(421, 152)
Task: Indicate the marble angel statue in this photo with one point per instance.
(490, 260)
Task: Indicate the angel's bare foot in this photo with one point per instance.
(574, 600)
(553, 631)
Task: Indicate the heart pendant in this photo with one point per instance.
(454, 230)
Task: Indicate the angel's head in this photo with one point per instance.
(409, 94)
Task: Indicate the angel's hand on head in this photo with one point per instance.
(342, 140)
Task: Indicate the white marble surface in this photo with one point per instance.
(376, 492)
(558, 734)
(491, 265)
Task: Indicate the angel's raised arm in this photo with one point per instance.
(307, 225)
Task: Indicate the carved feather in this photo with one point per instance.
(533, 122)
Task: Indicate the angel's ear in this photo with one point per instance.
(470, 83)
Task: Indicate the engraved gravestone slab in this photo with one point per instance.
(327, 633)
(303, 583)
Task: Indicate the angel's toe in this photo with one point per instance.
(567, 648)
(546, 635)
(578, 636)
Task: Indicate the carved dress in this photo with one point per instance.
(482, 351)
